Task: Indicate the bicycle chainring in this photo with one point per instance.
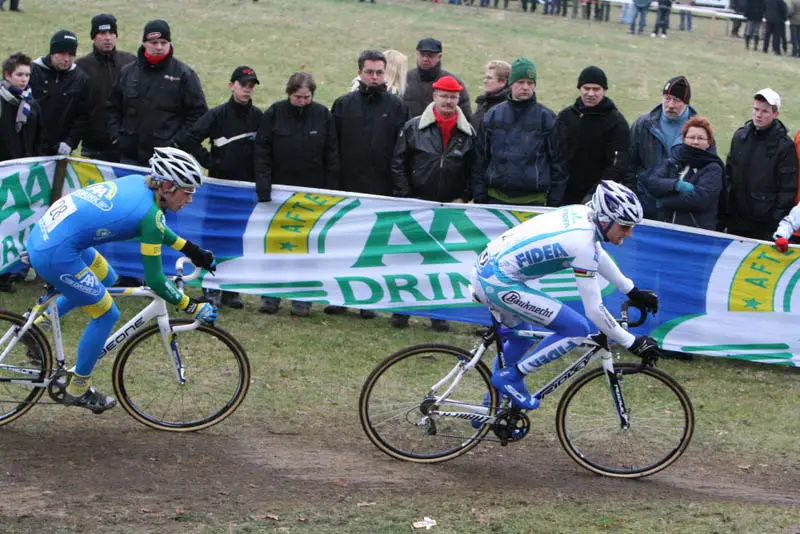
(57, 388)
(511, 425)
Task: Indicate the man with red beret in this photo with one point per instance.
(433, 158)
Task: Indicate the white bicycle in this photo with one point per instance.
(174, 375)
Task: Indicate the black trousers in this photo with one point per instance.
(776, 31)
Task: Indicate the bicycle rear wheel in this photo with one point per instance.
(661, 422)
(217, 376)
(30, 360)
(398, 412)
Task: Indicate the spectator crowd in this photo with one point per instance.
(409, 133)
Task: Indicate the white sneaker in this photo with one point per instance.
(652, 35)
(663, 35)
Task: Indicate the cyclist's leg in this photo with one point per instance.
(81, 289)
(100, 267)
(514, 304)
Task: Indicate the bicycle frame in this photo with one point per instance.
(596, 347)
(157, 309)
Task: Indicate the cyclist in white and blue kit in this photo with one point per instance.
(569, 237)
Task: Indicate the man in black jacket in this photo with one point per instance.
(62, 91)
(232, 129)
(776, 12)
(762, 171)
(156, 100)
(419, 81)
(103, 65)
(433, 159)
(367, 124)
(594, 136)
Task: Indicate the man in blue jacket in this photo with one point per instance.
(652, 137)
(518, 159)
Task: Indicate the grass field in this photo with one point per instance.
(293, 458)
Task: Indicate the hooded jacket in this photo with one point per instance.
(701, 168)
(64, 99)
(762, 177)
(367, 124)
(595, 141)
(153, 105)
(103, 70)
(518, 152)
(419, 90)
(423, 169)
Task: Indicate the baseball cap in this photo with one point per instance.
(771, 96)
(429, 44)
(244, 74)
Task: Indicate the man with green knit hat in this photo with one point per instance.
(519, 161)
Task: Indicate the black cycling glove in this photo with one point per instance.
(647, 301)
(200, 256)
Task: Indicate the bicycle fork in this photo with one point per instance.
(615, 384)
(169, 338)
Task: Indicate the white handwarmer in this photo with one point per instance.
(788, 224)
(596, 311)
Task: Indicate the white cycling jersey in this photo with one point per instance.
(554, 241)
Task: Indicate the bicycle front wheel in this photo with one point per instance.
(216, 378)
(400, 416)
(24, 368)
(661, 422)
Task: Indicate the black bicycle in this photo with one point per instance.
(431, 403)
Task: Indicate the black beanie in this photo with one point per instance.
(103, 23)
(679, 88)
(156, 29)
(593, 74)
(64, 41)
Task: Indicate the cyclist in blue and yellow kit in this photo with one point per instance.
(61, 249)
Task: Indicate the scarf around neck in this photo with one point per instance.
(19, 99)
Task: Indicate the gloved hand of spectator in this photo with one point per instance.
(782, 244)
(684, 188)
(64, 149)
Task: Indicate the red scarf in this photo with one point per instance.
(155, 60)
(446, 126)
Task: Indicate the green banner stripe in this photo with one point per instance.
(787, 295)
(765, 356)
(755, 346)
(311, 283)
(332, 221)
(505, 220)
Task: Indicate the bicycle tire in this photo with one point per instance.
(631, 453)
(143, 375)
(34, 353)
(407, 440)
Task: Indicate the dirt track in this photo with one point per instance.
(128, 478)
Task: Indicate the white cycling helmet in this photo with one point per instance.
(176, 166)
(616, 203)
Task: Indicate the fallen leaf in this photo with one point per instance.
(744, 467)
(341, 482)
(179, 510)
(273, 517)
(144, 510)
(366, 504)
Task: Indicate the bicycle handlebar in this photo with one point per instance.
(624, 319)
(183, 260)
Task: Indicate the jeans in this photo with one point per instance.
(686, 16)
(641, 12)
